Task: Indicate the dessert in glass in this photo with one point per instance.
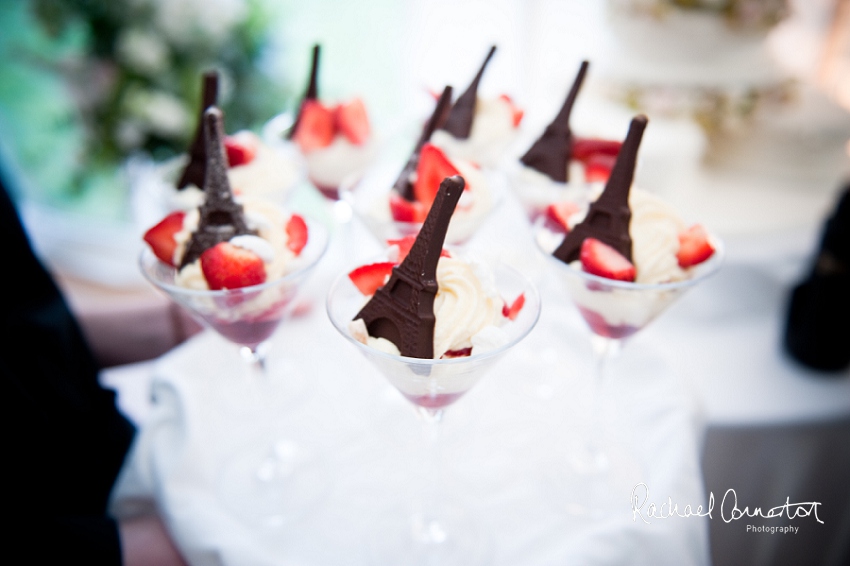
(258, 166)
(336, 141)
(479, 129)
(433, 324)
(234, 265)
(624, 257)
(559, 165)
(237, 266)
(393, 200)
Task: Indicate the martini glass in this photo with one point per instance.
(248, 316)
(270, 478)
(435, 533)
(614, 311)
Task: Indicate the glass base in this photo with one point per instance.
(273, 484)
(447, 537)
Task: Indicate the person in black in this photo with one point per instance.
(64, 441)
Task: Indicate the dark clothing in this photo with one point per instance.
(64, 441)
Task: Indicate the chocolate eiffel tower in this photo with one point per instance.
(221, 218)
(552, 152)
(312, 88)
(195, 170)
(402, 311)
(608, 218)
(403, 185)
(459, 122)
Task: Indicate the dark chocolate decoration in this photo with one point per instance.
(312, 89)
(459, 122)
(403, 185)
(552, 152)
(195, 170)
(221, 218)
(402, 311)
(608, 218)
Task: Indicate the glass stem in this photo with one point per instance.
(256, 376)
(603, 350)
(426, 527)
(255, 357)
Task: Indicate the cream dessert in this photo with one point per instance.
(336, 140)
(430, 320)
(558, 159)
(479, 129)
(454, 308)
(235, 265)
(627, 253)
(402, 210)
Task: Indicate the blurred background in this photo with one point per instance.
(749, 105)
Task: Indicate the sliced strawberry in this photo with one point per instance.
(296, 233)
(241, 148)
(370, 278)
(226, 266)
(433, 167)
(517, 113)
(462, 353)
(351, 119)
(560, 212)
(583, 148)
(403, 210)
(598, 167)
(315, 126)
(601, 259)
(511, 312)
(404, 244)
(694, 246)
(161, 237)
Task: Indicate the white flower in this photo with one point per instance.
(142, 51)
(161, 112)
(182, 21)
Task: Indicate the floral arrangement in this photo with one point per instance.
(124, 79)
(750, 15)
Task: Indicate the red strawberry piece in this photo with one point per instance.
(404, 245)
(241, 148)
(601, 259)
(462, 353)
(161, 237)
(583, 148)
(315, 126)
(226, 266)
(517, 113)
(351, 119)
(296, 234)
(694, 246)
(433, 167)
(511, 312)
(598, 167)
(560, 212)
(370, 278)
(403, 210)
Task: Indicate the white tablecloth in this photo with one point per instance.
(506, 446)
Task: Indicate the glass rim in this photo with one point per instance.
(702, 271)
(146, 256)
(529, 288)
